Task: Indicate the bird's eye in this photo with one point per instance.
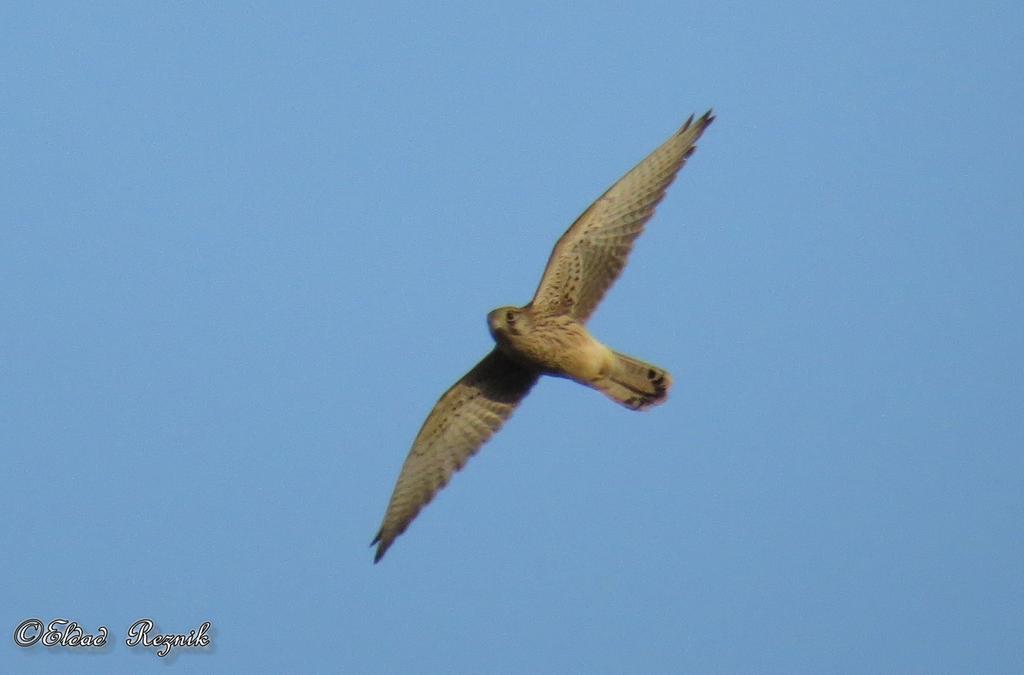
(510, 317)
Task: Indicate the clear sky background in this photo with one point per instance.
(244, 248)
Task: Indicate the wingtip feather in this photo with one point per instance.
(382, 547)
(702, 122)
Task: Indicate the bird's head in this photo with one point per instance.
(505, 321)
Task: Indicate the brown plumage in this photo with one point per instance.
(547, 337)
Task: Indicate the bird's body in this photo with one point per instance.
(555, 344)
(561, 346)
(548, 336)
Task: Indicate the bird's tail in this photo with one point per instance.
(634, 383)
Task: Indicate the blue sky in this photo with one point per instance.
(244, 248)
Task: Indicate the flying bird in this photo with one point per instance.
(547, 337)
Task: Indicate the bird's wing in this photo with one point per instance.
(590, 255)
(463, 419)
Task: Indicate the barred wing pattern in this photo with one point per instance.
(589, 257)
(464, 418)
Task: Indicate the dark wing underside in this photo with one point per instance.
(463, 419)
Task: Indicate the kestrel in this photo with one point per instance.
(547, 337)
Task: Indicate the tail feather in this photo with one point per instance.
(634, 383)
